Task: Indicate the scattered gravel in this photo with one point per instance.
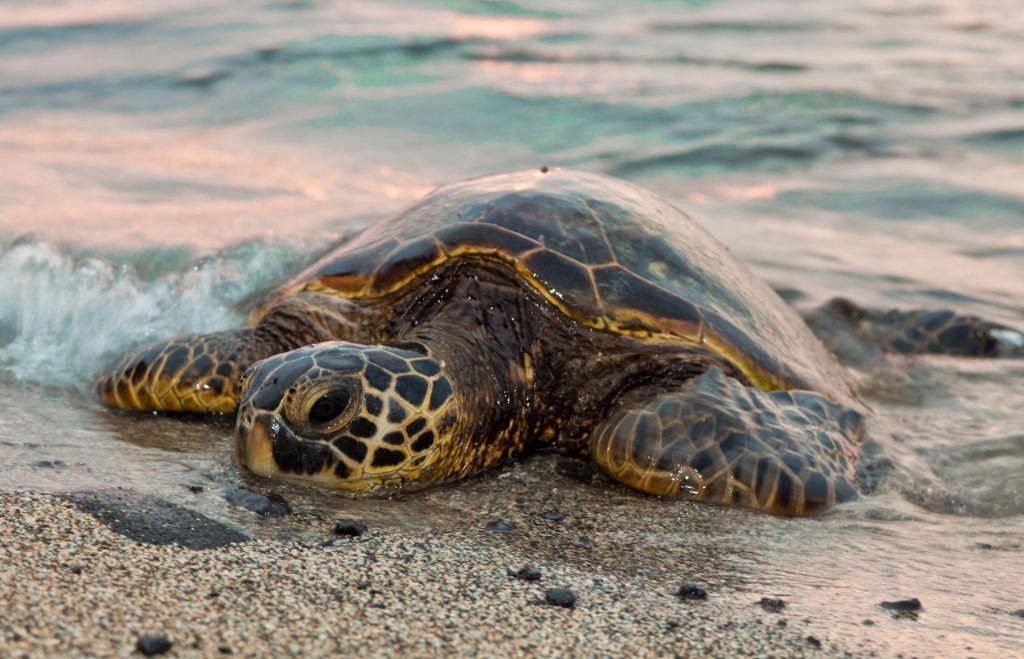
(397, 592)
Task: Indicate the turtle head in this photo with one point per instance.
(346, 416)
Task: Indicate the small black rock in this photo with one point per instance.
(586, 543)
(560, 597)
(226, 649)
(196, 489)
(544, 169)
(76, 569)
(781, 623)
(265, 505)
(553, 515)
(772, 604)
(813, 642)
(903, 606)
(689, 591)
(984, 545)
(1019, 613)
(526, 573)
(868, 622)
(151, 645)
(50, 464)
(351, 528)
(498, 526)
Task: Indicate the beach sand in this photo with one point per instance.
(73, 586)
(89, 572)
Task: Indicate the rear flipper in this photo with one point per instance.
(789, 453)
(858, 335)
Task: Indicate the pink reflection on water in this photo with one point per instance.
(94, 181)
(465, 26)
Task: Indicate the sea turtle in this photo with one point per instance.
(534, 309)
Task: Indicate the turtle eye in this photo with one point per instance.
(329, 407)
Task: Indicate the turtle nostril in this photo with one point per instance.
(329, 406)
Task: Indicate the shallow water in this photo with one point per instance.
(172, 159)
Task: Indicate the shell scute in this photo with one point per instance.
(565, 279)
(483, 238)
(608, 254)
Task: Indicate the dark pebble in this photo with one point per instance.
(560, 597)
(1019, 613)
(150, 645)
(577, 470)
(50, 464)
(869, 622)
(226, 649)
(586, 543)
(781, 623)
(984, 545)
(903, 606)
(544, 169)
(689, 591)
(363, 584)
(526, 573)
(196, 489)
(772, 604)
(554, 516)
(498, 526)
(77, 569)
(265, 505)
(350, 528)
(815, 643)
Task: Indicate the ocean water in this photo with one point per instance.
(161, 163)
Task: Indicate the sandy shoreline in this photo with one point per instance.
(72, 586)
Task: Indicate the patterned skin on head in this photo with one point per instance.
(346, 416)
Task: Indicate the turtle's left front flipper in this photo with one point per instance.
(856, 334)
(786, 452)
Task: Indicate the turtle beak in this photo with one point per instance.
(254, 444)
(266, 446)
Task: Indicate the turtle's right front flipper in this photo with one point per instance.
(857, 335)
(189, 373)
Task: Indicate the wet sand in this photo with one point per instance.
(72, 586)
(288, 585)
